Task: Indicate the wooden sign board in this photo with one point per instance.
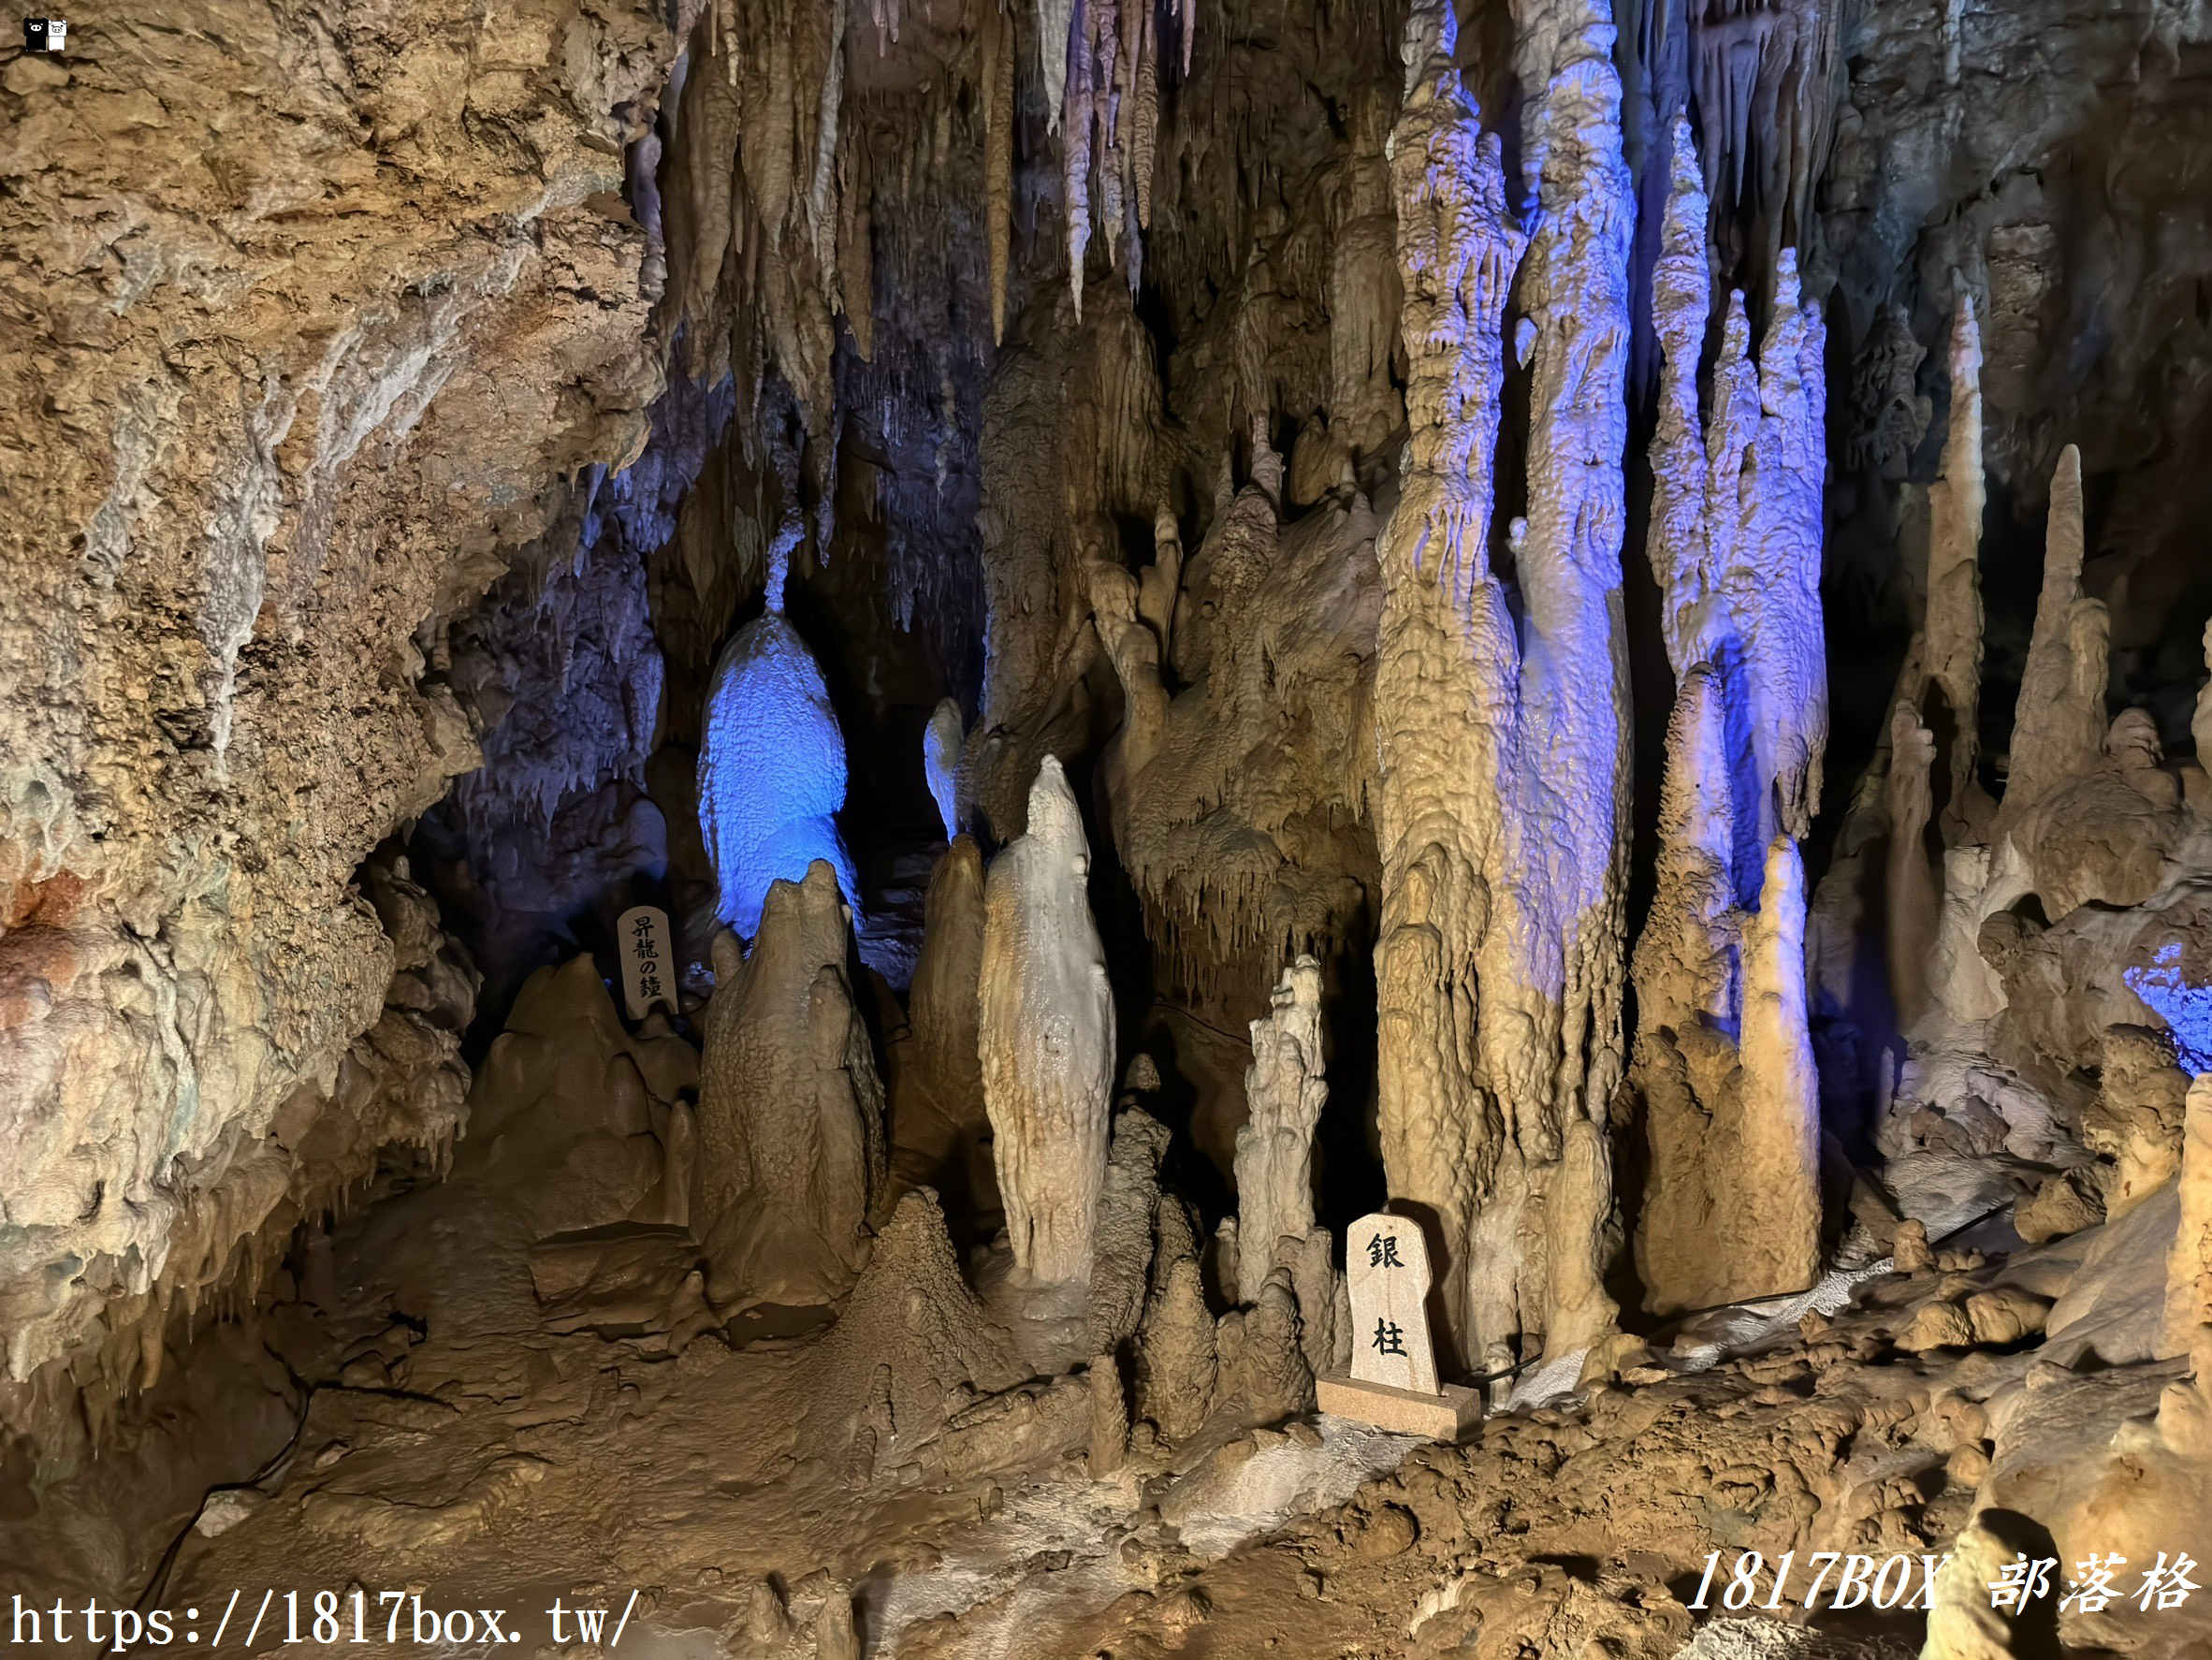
(1393, 1378)
(648, 965)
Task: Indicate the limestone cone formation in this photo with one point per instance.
(791, 1114)
(1045, 1038)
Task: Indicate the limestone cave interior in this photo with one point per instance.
(785, 784)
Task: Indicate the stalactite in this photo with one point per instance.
(856, 254)
(822, 216)
(1144, 117)
(1554, 953)
(1104, 26)
(1732, 1123)
(1056, 25)
(1735, 525)
(1075, 145)
(999, 124)
(1682, 307)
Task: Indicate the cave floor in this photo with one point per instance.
(455, 1447)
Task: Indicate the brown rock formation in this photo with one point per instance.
(791, 1114)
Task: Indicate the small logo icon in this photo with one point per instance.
(45, 34)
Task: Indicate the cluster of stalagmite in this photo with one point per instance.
(1234, 803)
(1045, 1038)
(791, 1134)
(1501, 804)
(1723, 1060)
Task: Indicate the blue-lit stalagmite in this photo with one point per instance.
(1502, 739)
(1721, 1064)
(772, 765)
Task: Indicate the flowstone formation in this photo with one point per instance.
(224, 633)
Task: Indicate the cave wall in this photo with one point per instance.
(315, 314)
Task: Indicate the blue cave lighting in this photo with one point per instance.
(2186, 1009)
(771, 771)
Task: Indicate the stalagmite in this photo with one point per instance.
(2059, 722)
(1722, 1063)
(1687, 988)
(1771, 1233)
(1045, 1038)
(1963, 1621)
(942, 1003)
(940, 764)
(1555, 949)
(1952, 628)
(2200, 724)
(2189, 1264)
(791, 1114)
(772, 765)
(1492, 747)
(1909, 935)
(1176, 1358)
(1444, 648)
(1285, 1093)
(1110, 1417)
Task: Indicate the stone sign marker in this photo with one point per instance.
(649, 967)
(1393, 1379)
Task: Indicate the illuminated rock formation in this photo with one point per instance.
(940, 764)
(1721, 1060)
(1045, 1038)
(1735, 539)
(772, 765)
(791, 1114)
(1496, 740)
(2188, 1266)
(1235, 803)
